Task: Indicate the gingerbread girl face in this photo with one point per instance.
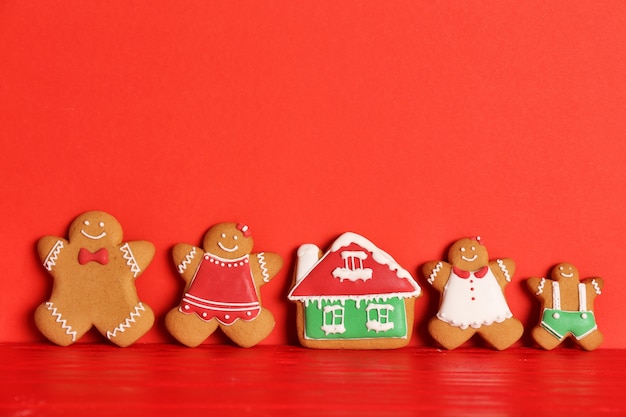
(228, 240)
(468, 254)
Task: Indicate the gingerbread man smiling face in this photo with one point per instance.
(94, 276)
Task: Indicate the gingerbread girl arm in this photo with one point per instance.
(187, 258)
(437, 273)
(503, 269)
(50, 248)
(138, 254)
(264, 266)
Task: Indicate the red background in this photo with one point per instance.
(411, 123)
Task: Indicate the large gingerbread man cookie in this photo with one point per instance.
(472, 297)
(222, 288)
(94, 274)
(567, 308)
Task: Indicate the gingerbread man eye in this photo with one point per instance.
(473, 248)
(561, 268)
(101, 224)
(235, 237)
(223, 235)
(462, 249)
(86, 223)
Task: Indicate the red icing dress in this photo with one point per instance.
(222, 289)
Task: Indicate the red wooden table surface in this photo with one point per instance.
(155, 379)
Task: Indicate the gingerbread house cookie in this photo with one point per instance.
(355, 296)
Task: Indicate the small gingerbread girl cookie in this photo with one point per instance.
(567, 308)
(223, 279)
(94, 276)
(472, 297)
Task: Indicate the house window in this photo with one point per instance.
(333, 320)
(353, 269)
(378, 317)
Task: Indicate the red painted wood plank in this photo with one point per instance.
(89, 379)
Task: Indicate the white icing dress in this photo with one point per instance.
(473, 301)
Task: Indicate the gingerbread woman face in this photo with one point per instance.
(468, 254)
(222, 288)
(228, 240)
(567, 304)
(94, 274)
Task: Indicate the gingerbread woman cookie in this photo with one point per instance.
(472, 297)
(567, 308)
(223, 280)
(94, 276)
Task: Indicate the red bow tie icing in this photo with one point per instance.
(466, 274)
(101, 256)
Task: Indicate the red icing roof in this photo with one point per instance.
(320, 282)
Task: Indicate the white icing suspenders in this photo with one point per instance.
(582, 297)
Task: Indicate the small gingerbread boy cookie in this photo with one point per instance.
(472, 297)
(567, 308)
(94, 274)
(223, 279)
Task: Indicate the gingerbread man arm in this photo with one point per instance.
(138, 254)
(50, 248)
(187, 258)
(595, 284)
(540, 287)
(264, 266)
(437, 273)
(503, 269)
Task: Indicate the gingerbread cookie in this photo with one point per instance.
(355, 296)
(94, 274)
(567, 308)
(223, 279)
(472, 297)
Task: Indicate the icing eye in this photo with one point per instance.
(235, 237)
(473, 248)
(462, 249)
(561, 268)
(223, 235)
(101, 224)
(86, 222)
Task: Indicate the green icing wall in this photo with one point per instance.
(354, 319)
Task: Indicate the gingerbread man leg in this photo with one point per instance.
(189, 329)
(592, 340)
(249, 333)
(502, 335)
(125, 329)
(60, 323)
(545, 339)
(450, 337)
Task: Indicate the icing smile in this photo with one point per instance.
(224, 248)
(87, 235)
(563, 274)
(472, 259)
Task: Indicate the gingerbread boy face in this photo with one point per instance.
(565, 271)
(94, 274)
(228, 240)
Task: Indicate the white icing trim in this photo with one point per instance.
(503, 268)
(433, 274)
(131, 262)
(128, 322)
(185, 263)
(261, 258)
(556, 296)
(540, 287)
(353, 275)
(62, 321)
(53, 255)
(582, 297)
(596, 287)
